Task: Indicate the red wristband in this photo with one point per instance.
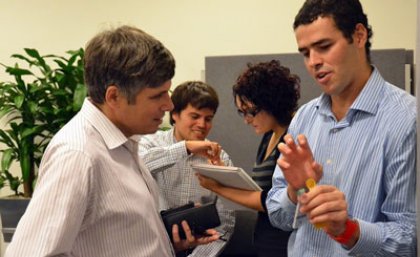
(344, 238)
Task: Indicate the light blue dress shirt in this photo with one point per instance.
(370, 155)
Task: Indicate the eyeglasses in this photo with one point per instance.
(250, 113)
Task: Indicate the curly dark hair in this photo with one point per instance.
(271, 87)
(197, 93)
(345, 13)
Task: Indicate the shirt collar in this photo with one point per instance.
(112, 136)
(368, 100)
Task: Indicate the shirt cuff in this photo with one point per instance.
(281, 210)
(179, 149)
(369, 241)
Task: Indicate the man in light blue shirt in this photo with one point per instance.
(357, 140)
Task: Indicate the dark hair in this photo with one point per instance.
(270, 87)
(199, 94)
(128, 58)
(345, 13)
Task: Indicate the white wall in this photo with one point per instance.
(191, 29)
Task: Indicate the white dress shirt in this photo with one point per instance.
(93, 197)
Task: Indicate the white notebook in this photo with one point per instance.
(227, 176)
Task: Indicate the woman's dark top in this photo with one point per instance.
(268, 240)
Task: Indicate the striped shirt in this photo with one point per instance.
(93, 197)
(369, 155)
(268, 240)
(170, 165)
(262, 172)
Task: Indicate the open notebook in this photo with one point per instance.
(227, 176)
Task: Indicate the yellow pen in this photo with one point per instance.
(311, 184)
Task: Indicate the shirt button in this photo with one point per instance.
(329, 161)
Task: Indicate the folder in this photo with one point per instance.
(199, 218)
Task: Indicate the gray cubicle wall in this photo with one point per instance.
(240, 140)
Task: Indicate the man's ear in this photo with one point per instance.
(360, 35)
(113, 96)
(175, 116)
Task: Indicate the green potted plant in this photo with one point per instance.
(45, 93)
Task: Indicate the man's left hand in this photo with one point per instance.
(191, 241)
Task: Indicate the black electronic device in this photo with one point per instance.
(199, 218)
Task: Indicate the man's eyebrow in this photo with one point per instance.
(198, 114)
(302, 49)
(158, 94)
(316, 43)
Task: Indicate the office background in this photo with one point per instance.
(191, 29)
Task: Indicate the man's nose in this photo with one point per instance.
(314, 60)
(168, 106)
(201, 122)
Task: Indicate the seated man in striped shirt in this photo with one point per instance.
(169, 154)
(357, 140)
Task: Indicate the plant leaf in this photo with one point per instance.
(6, 139)
(36, 107)
(31, 131)
(35, 54)
(33, 107)
(19, 56)
(16, 71)
(25, 163)
(19, 101)
(79, 96)
(5, 110)
(6, 159)
(1, 182)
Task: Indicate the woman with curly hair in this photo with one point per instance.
(266, 96)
